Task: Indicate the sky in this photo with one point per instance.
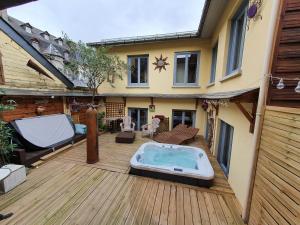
(94, 20)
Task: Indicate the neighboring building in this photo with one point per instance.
(211, 81)
(27, 77)
(52, 47)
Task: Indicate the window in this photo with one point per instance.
(138, 71)
(186, 69)
(46, 35)
(28, 29)
(224, 146)
(66, 55)
(213, 64)
(1, 70)
(237, 37)
(35, 44)
(59, 41)
(183, 117)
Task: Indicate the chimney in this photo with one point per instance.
(3, 14)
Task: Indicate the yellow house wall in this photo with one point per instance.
(16, 72)
(251, 73)
(165, 107)
(254, 49)
(240, 167)
(161, 82)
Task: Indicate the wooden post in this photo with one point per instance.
(92, 153)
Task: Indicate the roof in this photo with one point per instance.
(36, 34)
(22, 42)
(4, 4)
(211, 14)
(147, 38)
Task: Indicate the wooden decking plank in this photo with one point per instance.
(210, 209)
(203, 209)
(150, 205)
(87, 210)
(195, 208)
(163, 220)
(218, 210)
(228, 216)
(157, 205)
(142, 208)
(35, 179)
(137, 203)
(118, 190)
(188, 217)
(125, 208)
(115, 205)
(43, 195)
(56, 205)
(60, 214)
(179, 206)
(172, 206)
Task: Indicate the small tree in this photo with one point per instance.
(96, 65)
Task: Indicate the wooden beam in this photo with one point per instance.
(252, 125)
(38, 69)
(196, 103)
(151, 101)
(249, 117)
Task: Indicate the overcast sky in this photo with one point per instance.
(93, 20)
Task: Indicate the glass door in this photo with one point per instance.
(224, 147)
(139, 116)
(183, 117)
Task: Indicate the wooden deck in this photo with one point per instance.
(66, 190)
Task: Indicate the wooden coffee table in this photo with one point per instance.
(125, 137)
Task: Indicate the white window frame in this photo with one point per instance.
(183, 116)
(138, 84)
(214, 59)
(185, 83)
(233, 42)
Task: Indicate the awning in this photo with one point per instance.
(244, 95)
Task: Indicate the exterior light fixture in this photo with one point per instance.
(297, 89)
(280, 85)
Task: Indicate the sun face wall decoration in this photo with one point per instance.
(160, 63)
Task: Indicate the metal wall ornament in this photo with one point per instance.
(253, 11)
(160, 63)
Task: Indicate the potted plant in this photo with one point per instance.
(101, 125)
(17, 172)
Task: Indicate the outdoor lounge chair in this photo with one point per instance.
(127, 125)
(150, 129)
(179, 135)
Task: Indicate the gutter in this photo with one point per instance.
(263, 90)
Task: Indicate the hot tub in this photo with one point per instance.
(178, 163)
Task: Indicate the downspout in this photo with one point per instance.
(263, 90)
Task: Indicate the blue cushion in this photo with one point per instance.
(80, 129)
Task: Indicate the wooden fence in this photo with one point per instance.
(276, 196)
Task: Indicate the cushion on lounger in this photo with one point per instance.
(80, 129)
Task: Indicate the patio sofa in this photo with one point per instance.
(39, 136)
